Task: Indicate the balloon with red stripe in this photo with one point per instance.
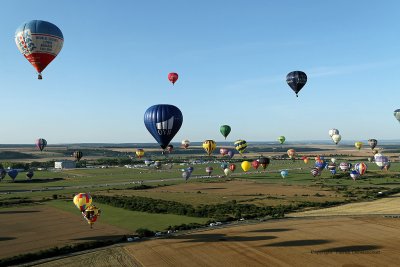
(82, 201)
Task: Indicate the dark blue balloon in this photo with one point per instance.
(296, 80)
(190, 169)
(13, 174)
(163, 122)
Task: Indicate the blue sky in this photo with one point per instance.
(232, 60)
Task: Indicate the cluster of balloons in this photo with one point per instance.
(13, 173)
(83, 201)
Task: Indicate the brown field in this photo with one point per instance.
(333, 241)
(244, 191)
(30, 229)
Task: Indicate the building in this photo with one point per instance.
(65, 164)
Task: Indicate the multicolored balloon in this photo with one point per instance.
(225, 130)
(82, 201)
(315, 172)
(231, 153)
(305, 159)
(223, 151)
(163, 122)
(354, 174)
(41, 143)
(209, 146)
(361, 168)
(291, 153)
(245, 166)
(40, 42)
(296, 80)
(264, 162)
(240, 146)
(173, 77)
(78, 155)
(344, 166)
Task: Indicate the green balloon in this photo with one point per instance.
(281, 139)
(225, 130)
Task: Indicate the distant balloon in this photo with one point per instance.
(186, 175)
(284, 173)
(78, 155)
(240, 146)
(255, 164)
(305, 159)
(264, 161)
(336, 138)
(354, 174)
(281, 139)
(170, 148)
(397, 114)
(148, 162)
(332, 166)
(386, 166)
(190, 169)
(381, 160)
(315, 172)
(361, 168)
(223, 151)
(13, 174)
(185, 143)
(139, 153)
(227, 172)
(296, 80)
(333, 171)
(358, 145)
(157, 164)
(333, 132)
(232, 167)
(375, 151)
(29, 175)
(209, 146)
(245, 166)
(3, 174)
(372, 143)
(225, 130)
(82, 201)
(41, 143)
(173, 77)
(231, 154)
(91, 214)
(40, 42)
(333, 160)
(344, 166)
(224, 165)
(163, 122)
(209, 170)
(291, 153)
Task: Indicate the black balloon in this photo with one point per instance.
(296, 80)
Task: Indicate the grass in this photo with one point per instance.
(130, 220)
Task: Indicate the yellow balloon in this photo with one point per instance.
(82, 201)
(358, 145)
(209, 146)
(139, 152)
(246, 165)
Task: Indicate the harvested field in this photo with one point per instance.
(245, 191)
(339, 241)
(30, 229)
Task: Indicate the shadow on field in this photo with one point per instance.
(221, 237)
(18, 211)
(295, 243)
(211, 188)
(33, 181)
(100, 237)
(276, 230)
(351, 248)
(6, 238)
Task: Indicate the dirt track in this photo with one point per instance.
(30, 229)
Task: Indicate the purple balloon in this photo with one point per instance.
(230, 154)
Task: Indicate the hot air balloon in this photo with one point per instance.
(29, 175)
(148, 162)
(315, 172)
(78, 155)
(173, 77)
(227, 172)
(381, 160)
(224, 165)
(255, 164)
(296, 80)
(40, 42)
(386, 166)
(139, 153)
(186, 175)
(157, 164)
(333, 132)
(336, 138)
(231, 154)
(163, 122)
(225, 130)
(82, 201)
(333, 160)
(344, 166)
(232, 167)
(361, 168)
(264, 162)
(185, 143)
(281, 139)
(358, 145)
(190, 169)
(320, 164)
(333, 171)
(240, 146)
(41, 143)
(375, 151)
(209, 170)
(3, 174)
(245, 166)
(209, 146)
(305, 159)
(223, 151)
(331, 166)
(354, 174)
(91, 214)
(13, 174)
(170, 148)
(372, 143)
(291, 153)
(397, 114)
(284, 173)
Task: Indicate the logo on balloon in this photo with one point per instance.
(165, 127)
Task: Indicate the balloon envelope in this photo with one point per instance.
(245, 165)
(186, 175)
(29, 174)
(185, 143)
(232, 167)
(173, 77)
(209, 146)
(139, 153)
(40, 42)
(240, 145)
(82, 201)
(284, 173)
(358, 145)
(41, 143)
(78, 155)
(225, 130)
(333, 132)
(397, 114)
(296, 80)
(231, 154)
(281, 139)
(163, 122)
(13, 174)
(3, 174)
(227, 172)
(336, 138)
(372, 143)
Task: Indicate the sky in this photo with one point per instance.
(232, 59)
